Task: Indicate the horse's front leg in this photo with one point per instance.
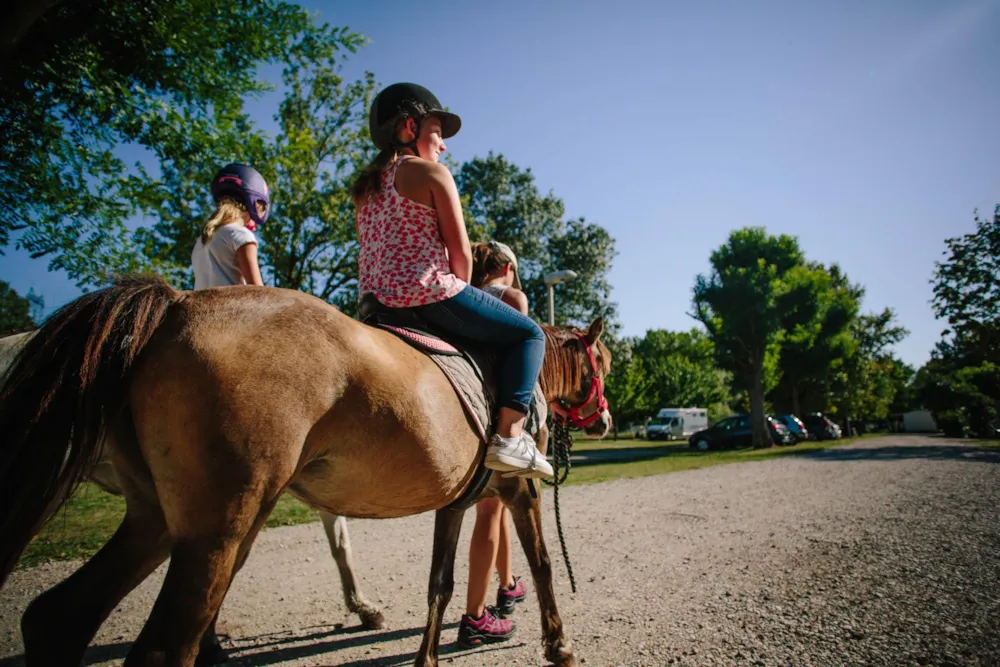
(340, 546)
(527, 513)
(447, 527)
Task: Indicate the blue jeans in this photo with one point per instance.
(474, 314)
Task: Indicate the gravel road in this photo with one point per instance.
(886, 552)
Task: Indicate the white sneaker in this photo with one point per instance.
(517, 454)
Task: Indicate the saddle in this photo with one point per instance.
(470, 368)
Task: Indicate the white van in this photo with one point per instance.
(676, 423)
(919, 421)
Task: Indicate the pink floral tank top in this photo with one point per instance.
(403, 261)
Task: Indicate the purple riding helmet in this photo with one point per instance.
(245, 184)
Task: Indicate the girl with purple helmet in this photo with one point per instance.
(226, 251)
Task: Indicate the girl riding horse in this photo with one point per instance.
(414, 253)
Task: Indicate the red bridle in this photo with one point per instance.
(572, 415)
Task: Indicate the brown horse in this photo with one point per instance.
(214, 403)
(564, 381)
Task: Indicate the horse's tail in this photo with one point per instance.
(63, 389)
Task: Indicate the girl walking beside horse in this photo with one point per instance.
(494, 271)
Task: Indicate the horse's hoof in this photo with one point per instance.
(213, 654)
(371, 618)
(562, 656)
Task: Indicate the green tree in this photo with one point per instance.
(967, 283)
(740, 303)
(625, 386)
(680, 370)
(905, 396)
(309, 242)
(80, 79)
(868, 385)
(817, 310)
(15, 311)
(503, 203)
(962, 397)
(961, 382)
(588, 249)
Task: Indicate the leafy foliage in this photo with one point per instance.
(961, 382)
(742, 304)
(870, 381)
(667, 369)
(309, 241)
(503, 203)
(83, 79)
(817, 311)
(15, 310)
(967, 283)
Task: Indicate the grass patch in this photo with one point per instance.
(987, 444)
(582, 443)
(91, 516)
(79, 529)
(689, 459)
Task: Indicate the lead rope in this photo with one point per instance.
(562, 448)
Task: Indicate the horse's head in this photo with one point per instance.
(576, 363)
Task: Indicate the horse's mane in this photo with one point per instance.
(565, 365)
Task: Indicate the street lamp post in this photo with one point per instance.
(551, 280)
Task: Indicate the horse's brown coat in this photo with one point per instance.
(232, 396)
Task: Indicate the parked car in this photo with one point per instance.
(820, 427)
(737, 431)
(638, 431)
(795, 426)
(657, 429)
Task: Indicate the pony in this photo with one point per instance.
(566, 384)
(211, 404)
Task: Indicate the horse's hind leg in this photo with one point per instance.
(340, 546)
(447, 527)
(200, 574)
(527, 513)
(210, 650)
(60, 623)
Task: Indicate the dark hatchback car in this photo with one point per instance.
(820, 427)
(736, 431)
(795, 425)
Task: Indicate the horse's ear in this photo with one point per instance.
(595, 331)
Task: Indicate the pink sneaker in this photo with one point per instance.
(487, 629)
(507, 598)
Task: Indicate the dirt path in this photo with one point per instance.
(882, 553)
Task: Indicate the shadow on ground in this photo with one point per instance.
(930, 452)
(273, 649)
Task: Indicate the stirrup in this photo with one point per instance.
(517, 473)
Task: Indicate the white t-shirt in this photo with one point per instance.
(215, 264)
(495, 289)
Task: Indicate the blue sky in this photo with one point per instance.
(867, 129)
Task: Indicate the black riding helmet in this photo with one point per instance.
(406, 100)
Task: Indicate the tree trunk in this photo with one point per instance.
(795, 399)
(761, 436)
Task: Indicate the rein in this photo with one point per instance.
(562, 448)
(562, 442)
